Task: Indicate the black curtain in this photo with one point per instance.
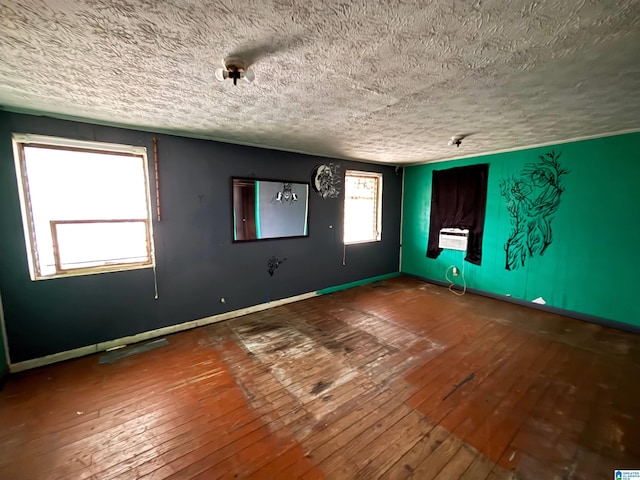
(458, 200)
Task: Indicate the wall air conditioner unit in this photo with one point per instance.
(454, 239)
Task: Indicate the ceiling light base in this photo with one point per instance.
(236, 69)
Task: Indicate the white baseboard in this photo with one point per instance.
(102, 346)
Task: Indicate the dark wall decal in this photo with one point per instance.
(274, 263)
(325, 180)
(532, 199)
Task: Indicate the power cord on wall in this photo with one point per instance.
(155, 282)
(451, 283)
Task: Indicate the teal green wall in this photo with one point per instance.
(587, 268)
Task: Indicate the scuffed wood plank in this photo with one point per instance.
(434, 463)
(458, 465)
(409, 462)
(479, 469)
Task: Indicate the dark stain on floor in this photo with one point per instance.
(320, 386)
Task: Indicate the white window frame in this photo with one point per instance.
(378, 177)
(20, 140)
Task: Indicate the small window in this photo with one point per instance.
(85, 206)
(362, 207)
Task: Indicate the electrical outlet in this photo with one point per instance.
(455, 271)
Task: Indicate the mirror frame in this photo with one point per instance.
(277, 180)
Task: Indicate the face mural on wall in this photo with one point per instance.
(532, 199)
(325, 180)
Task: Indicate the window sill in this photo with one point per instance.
(92, 271)
(358, 242)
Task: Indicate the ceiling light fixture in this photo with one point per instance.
(457, 139)
(236, 69)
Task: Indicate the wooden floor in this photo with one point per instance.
(398, 379)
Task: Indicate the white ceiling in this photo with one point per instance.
(383, 81)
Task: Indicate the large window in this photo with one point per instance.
(85, 206)
(362, 207)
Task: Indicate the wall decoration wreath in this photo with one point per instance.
(325, 180)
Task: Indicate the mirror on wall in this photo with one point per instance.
(268, 209)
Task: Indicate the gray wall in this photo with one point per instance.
(197, 263)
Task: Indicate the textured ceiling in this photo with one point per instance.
(387, 81)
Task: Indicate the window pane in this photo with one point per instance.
(361, 215)
(359, 222)
(82, 245)
(75, 187)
